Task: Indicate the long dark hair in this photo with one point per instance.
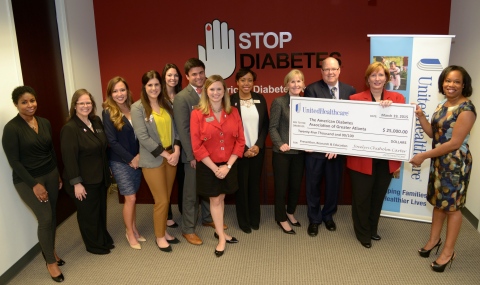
(178, 87)
(162, 98)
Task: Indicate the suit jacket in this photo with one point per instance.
(320, 89)
(219, 140)
(364, 164)
(279, 124)
(146, 130)
(84, 152)
(185, 102)
(262, 116)
(123, 144)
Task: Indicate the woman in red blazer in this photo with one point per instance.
(216, 131)
(370, 176)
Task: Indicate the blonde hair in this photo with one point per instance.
(111, 106)
(204, 105)
(291, 74)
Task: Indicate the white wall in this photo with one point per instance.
(464, 23)
(78, 42)
(18, 225)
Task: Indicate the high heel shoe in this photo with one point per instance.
(219, 253)
(134, 246)
(426, 253)
(232, 240)
(297, 224)
(290, 232)
(60, 262)
(58, 278)
(441, 267)
(164, 249)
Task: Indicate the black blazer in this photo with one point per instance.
(123, 145)
(84, 153)
(319, 89)
(261, 105)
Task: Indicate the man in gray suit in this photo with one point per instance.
(185, 101)
(328, 165)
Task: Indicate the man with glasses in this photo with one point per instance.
(328, 165)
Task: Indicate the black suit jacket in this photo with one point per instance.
(261, 105)
(320, 89)
(84, 153)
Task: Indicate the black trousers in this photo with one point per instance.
(287, 176)
(45, 212)
(368, 192)
(247, 198)
(92, 217)
(180, 177)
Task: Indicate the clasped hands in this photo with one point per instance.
(221, 171)
(252, 152)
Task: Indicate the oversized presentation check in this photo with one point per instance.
(356, 128)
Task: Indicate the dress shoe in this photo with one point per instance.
(219, 253)
(164, 249)
(110, 246)
(173, 226)
(246, 230)
(255, 228)
(330, 225)
(376, 237)
(193, 239)
(232, 240)
(297, 224)
(99, 251)
(141, 238)
(313, 229)
(366, 244)
(426, 253)
(134, 246)
(441, 267)
(60, 262)
(213, 225)
(58, 278)
(173, 241)
(290, 232)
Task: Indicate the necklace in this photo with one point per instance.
(217, 110)
(32, 125)
(246, 102)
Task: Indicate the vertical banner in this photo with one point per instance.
(415, 63)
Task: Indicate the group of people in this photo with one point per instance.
(213, 143)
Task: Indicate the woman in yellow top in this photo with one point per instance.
(152, 118)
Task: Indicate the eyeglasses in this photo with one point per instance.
(330, 69)
(83, 104)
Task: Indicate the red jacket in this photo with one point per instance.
(219, 140)
(363, 164)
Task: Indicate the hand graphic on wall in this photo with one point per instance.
(219, 54)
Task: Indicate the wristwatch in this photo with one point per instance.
(229, 166)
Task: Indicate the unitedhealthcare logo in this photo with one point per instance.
(430, 64)
(298, 107)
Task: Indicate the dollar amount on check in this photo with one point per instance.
(354, 128)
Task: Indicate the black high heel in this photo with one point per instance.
(58, 278)
(290, 232)
(441, 267)
(219, 253)
(426, 253)
(232, 240)
(60, 262)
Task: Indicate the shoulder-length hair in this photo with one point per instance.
(204, 105)
(111, 106)
(375, 67)
(162, 98)
(291, 74)
(178, 87)
(73, 104)
(467, 90)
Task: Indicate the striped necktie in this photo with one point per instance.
(332, 92)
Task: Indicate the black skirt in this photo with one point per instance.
(208, 185)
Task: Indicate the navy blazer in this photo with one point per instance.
(263, 120)
(123, 144)
(320, 89)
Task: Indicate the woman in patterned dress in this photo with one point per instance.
(451, 160)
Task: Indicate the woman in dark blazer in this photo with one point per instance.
(86, 173)
(255, 126)
(123, 152)
(370, 176)
(288, 164)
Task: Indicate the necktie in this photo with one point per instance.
(199, 90)
(332, 92)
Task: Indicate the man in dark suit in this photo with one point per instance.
(328, 165)
(185, 102)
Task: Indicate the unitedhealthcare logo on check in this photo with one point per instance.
(430, 64)
(298, 107)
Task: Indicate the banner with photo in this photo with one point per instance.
(415, 63)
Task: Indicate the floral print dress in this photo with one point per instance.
(449, 173)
